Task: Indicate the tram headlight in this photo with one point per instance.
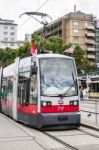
(49, 103)
(46, 103)
(74, 103)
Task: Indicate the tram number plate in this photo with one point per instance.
(62, 118)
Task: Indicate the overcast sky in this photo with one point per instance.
(11, 9)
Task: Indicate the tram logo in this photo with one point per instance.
(60, 102)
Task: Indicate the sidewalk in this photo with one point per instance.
(14, 138)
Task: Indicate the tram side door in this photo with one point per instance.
(15, 89)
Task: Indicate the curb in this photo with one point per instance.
(90, 126)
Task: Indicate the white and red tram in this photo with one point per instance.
(41, 91)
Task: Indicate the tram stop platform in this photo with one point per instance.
(12, 137)
(90, 125)
(16, 136)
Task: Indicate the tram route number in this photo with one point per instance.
(60, 108)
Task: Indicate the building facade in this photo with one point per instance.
(76, 28)
(8, 33)
(28, 37)
(97, 43)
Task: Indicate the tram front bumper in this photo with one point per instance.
(68, 120)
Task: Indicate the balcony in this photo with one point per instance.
(90, 34)
(90, 27)
(90, 56)
(91, 49)
(90, 41)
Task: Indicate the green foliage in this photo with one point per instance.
(23, 50)
(82, 62)
(54, 44)
(8, 55)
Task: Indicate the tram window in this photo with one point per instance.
(10, 89)
(4, 88)
(23, 88)
(33, 90)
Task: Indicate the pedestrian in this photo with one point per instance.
(81, 93)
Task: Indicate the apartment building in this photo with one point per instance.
(8, 33)
(97, 43)
(76, 28)
(28, 37)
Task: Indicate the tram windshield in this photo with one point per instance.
(58, 77)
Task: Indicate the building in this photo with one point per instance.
(97, 43)
(76, 28)
(28, 37)
(8, 33)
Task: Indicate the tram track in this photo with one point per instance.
(61, 142)
(89, 133)
(67, 144)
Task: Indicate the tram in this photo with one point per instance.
(41, 91)
(93, 87)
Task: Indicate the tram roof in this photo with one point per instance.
(52, 56)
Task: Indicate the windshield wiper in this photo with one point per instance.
(66, 93)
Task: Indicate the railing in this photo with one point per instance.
(90, 111)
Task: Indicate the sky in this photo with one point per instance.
(12, 9)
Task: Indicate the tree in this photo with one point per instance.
(23, 50)
(82, 62)
(79, 57)
(53, 43)
(1, 57)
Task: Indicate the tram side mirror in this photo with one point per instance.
(34, 69)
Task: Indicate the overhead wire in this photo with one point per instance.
(35, 20)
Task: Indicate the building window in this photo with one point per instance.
(5, 33)
(12, 28)
(76, 38)
(5, 27)
(5, 44)
(5, 39)
(12, 39)
(75, 23)
(12, 44)
(12, 33)
(75, 30)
